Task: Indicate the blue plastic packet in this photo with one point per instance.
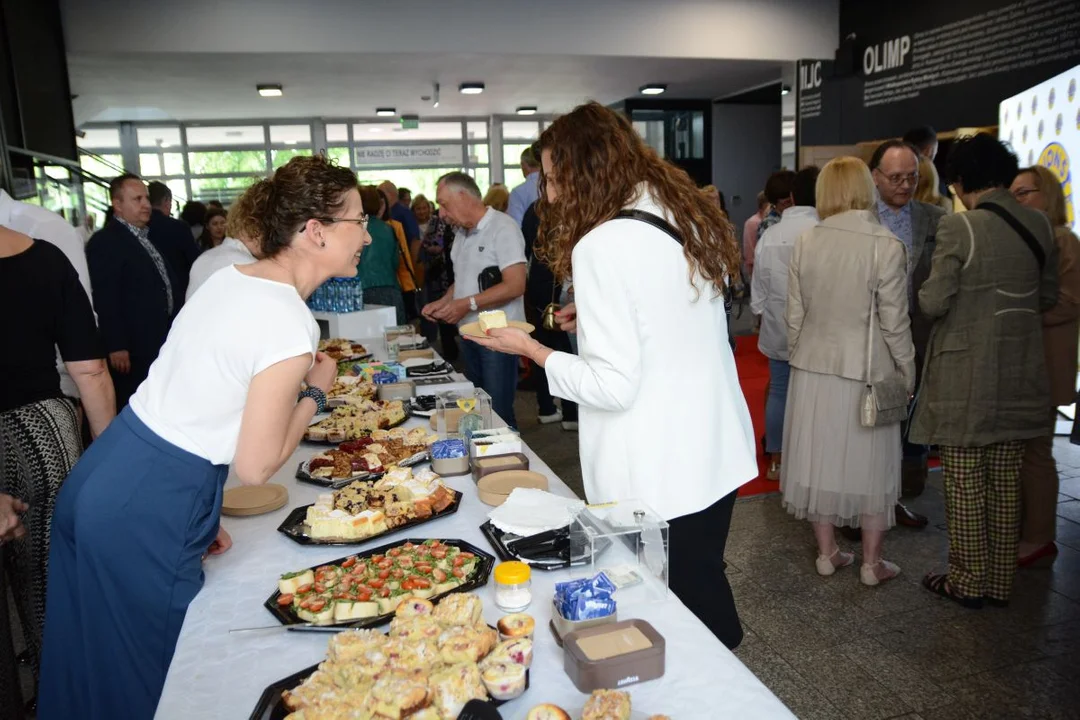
(585, 598)
(446, 449)
(384, 378)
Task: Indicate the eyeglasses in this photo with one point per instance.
(1021, 193)
(901, 180)
(361, 221)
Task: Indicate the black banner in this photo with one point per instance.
(942, 64)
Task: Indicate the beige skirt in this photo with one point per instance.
(835, 470)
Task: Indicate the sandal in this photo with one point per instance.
(939, 584)
(868, 573)
(826, 566)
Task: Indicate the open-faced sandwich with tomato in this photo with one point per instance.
(367, 587)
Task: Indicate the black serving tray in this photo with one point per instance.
(303, 475)
(286, 616)
(399, 423)
(271, 705)
(293, 526)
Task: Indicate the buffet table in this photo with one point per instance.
(215, 674)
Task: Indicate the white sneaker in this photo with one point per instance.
(549, 419)
(570, 426)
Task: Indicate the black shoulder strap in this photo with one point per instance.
(655, 220)
(1022, 231)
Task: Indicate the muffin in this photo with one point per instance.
(504, 680)
(547, 711)
(517, 625)
(607, 705)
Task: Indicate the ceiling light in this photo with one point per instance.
(785, 89)
(374, 129)
(385, 112)
(526, 110)
(269, 90)
(471, 88)
(653, 89)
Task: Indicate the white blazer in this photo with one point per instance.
(662, 417)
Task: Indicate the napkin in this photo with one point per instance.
(528, 511)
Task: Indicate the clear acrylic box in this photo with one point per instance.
(451, 406)
(628, 542)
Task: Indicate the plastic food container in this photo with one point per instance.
(448, 467)
(513, 586)
(561, 627)
(613, 656)
(487, 465)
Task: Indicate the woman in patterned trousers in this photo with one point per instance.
(40, 437)
(984, 389)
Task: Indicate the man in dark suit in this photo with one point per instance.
(171, 237)
(895, 169)
(135, 288)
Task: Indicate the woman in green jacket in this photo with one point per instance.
(378, 265)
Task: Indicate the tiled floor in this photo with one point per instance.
(831, 648)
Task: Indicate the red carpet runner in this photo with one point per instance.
(754, 379)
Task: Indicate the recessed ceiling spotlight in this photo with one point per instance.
(471, 88)
(653, 89)
(374, 129)
(270, 90)
(526, 110)
(385, 112)
(785, 89)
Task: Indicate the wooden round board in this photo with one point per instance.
(254, 499)
(473, 328)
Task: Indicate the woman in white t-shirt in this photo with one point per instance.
(141, 508)
(662, 417)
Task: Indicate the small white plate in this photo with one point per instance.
(319, 417)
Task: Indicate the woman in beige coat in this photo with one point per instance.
(1038, 188)
(835, 471)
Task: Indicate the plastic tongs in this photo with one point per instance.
(543, 547)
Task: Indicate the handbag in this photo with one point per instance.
(886, 401)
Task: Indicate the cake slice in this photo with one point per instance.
(491, 319)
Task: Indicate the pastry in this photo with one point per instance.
(414, 607)
(420, 627)
(491, 319)
(460, 609)
(461, 644)
(547, 711)
(504, 680)
(607, 705)
(455, 686)
(396, 696)
(350, 645)
(517, 625)
(519, 650)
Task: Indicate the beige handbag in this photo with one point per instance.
(884, 402)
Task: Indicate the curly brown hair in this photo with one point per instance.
(597, 162)
(305, 188)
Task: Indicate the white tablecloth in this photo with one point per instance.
(215, 674)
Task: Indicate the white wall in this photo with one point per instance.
(719, 29)
(746, 149)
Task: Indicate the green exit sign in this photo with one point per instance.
(410, 122)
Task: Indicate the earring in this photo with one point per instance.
(322, 244)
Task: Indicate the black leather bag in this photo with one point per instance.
(489, 277)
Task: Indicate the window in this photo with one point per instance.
(521, 130)
(337, 133)
(150, 164)
(225, 135)
(158, 137)
(98, 138)
(478, 154)
(476, 130)
(290, 134)
(512, 176)
(103, 166)
(280, 157)
(227, 161)
(482, 176)
(340, 155)
(420, 181)
(224, 189)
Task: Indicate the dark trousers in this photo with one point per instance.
(10, 691)
(696, 545)
(559, 341)
(496, 373)
(913, 466)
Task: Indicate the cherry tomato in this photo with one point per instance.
(408, 584)
(377, 558)
(384, 592)
(317, 604)
(303, 589)
(342, 596)
(438, 553)
(394, 552)
(284, 600)
(383, 574)
(405, 561)
(324, 568)
(459, 561)
(466, 555)
(422, 583)
(458, 572)
(364, 595)
(408, 546)
(386, 563)
(439, 575)
(424, 567)
(398, 573)
(320, 588)
(305, 603)
(376, 583)
(349, 562)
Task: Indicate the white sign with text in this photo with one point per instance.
(409, 155)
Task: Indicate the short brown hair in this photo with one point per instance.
(305, 188)
(371, 198)
(927, 189)
(844, 184)
(117, 184)
(1050, 187)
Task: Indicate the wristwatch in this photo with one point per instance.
(317, 395)
(472, 303)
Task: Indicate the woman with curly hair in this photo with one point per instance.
(648, 254)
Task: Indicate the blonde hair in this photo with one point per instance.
(927, 189)
(1048, 185)
(844, 184)
(497, 197)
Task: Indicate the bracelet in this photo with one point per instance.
(317, 395)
